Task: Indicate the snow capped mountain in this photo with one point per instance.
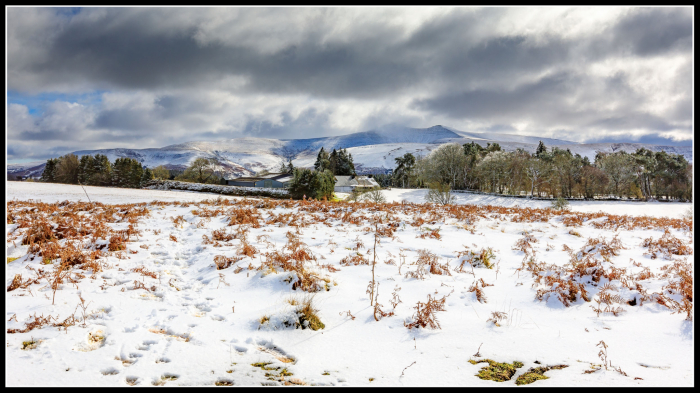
(373, 151)
(31, 169)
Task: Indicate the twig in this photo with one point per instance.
(477, 354)
(86, 194)
(407, 367)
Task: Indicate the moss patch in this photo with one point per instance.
(27, 345)
(499, 372)
(314, 322)
(263, 365)
(536, 373)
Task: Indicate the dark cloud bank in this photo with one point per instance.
(172, 75)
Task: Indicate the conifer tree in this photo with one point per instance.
(541, 150)
(312, 184)
(102, 175)
(147, 175)
(333, 162)
(322, 161)
(86, 169)
(49, 174)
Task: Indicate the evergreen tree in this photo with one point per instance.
(49, 174)
(541, 149)
(135, 174)
(120, 172)
(472, 149)
(86, 169)
(491, 147)
(286, 168)
(312, 184)
(300, 185)
(404, 169)
(344, 165)
(127, 172)
(333, 162)
(147, 175)
(322, 161)
(323, 184)
(102, 171)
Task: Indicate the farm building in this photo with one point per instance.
(349, 183)
(270, 180)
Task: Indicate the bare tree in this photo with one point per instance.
(202, 170)
(535, 170)
(67, 169)
(439, 193)
(620, 169)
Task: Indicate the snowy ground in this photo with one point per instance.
(200, 325)
(59, 192)
(653, 209)
(51, 193)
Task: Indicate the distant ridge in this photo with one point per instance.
(373, 151)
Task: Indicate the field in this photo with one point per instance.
(144, 287)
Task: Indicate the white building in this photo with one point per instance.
(349, 183)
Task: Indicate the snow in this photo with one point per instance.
(53, 192)
(632, 208)
(201, 329)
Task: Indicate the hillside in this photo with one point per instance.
(373, 151)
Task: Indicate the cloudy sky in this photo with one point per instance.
(91, 78)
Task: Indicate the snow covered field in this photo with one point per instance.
(158, 311)
(59, 192)
(653, 209)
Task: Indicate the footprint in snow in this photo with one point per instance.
(109, 371)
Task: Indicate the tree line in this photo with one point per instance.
(96, 171)
(548, 172)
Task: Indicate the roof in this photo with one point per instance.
(247, 179)
(274, 176)
(282, 178)
(355, 181)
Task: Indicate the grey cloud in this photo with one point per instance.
(653, 31)
(486, 104)
(308, 122)
(270, 64)
(647, 138)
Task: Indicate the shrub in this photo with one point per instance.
(375, 196)
(439, 193)
(312, 184)
(425, 313)
(560, 204)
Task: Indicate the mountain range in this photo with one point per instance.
(373, 151)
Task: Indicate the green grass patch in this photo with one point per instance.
(263, 365)
(537, 373)
(499, 372)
